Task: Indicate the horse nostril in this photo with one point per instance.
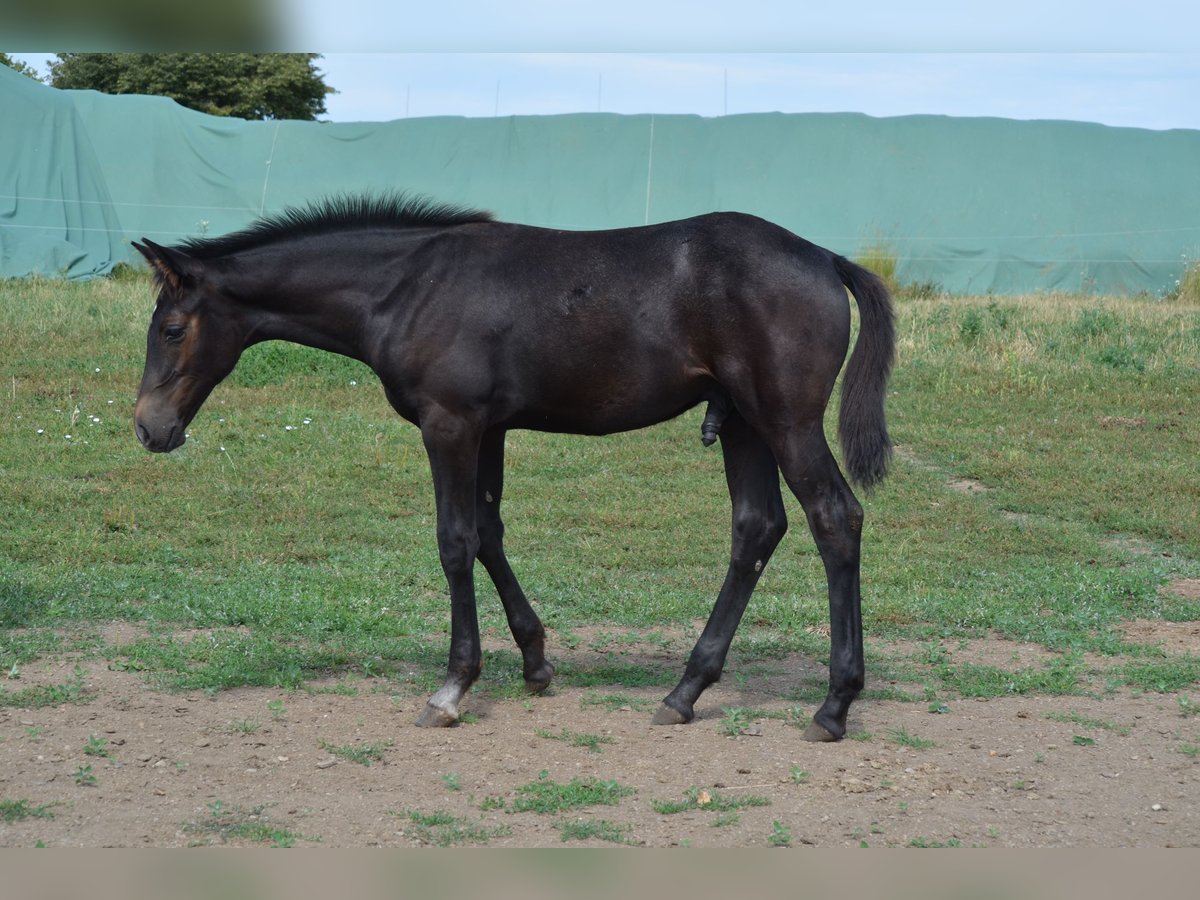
(143, 434)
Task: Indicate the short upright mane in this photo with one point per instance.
(338, 214)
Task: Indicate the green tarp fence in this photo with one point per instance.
(971, 205)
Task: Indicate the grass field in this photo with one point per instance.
(1046, 488)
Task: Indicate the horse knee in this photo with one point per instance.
(457, 549)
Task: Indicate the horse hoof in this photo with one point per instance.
(435, 717)
(538, 681)
(668, 715)
(819, 734)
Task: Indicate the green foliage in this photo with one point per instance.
(233, 822)
(245, 85)
(780, 836)
(882, 260)
(41, 695)
(16, 810)
(594, 830)
(904, 739)
(364, 754)
(96, 746)
(1187, 289)
(17, 66)
(546, 796)
(442, 829)
(709, 800)
(576, 739)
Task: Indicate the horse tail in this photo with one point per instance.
(862, 425)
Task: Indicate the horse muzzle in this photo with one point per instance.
(162, 438)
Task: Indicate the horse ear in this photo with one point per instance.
(174, 267)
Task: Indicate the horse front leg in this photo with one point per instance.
(524, 623)
(453, 448)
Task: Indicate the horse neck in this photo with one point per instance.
(304, 304)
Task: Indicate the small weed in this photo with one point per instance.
(16, 810)
(96, 746)
(780, 836)
(238, 823)
(1189, 750)
(799, 775)
(546, 796)
(444, 830)
(862, 736)
(938, 708)
(699, 798)
(1081, 741)
(591, 741)
(363, 754)
(33, 732)
(904, 739)
(452, 781)
(1075, 718)
(492, 802)
(594, 830)
(83, 776)
(724, 820)
(42, 695)
(927, 844)
(244, 726)
(1188, 707)
(737, 720)
(277, 709)
(972, 326)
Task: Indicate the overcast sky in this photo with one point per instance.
(1115, 63)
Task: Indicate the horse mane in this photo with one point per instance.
(340, 213)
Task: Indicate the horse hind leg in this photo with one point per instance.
(835, 519)
(759, 523)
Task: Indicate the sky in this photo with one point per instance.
(1116, 63)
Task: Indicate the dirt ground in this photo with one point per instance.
(253, 766)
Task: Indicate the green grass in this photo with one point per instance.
(594, 830)
(37, 696)
(233, 822)
(710, 801)
(17, 810)
(364, 754)
(258, 555)
(901, 737)
(547, 796)
(441, 829)
(576, 739)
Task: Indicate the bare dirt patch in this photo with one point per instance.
(1172, 637)
(259, 765)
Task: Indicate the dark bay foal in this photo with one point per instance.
(476, 327)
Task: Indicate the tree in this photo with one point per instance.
(18, 66)
(246, 85)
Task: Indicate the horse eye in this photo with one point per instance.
(174, 333)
